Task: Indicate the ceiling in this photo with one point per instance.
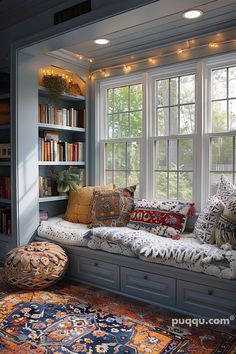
(164, 27)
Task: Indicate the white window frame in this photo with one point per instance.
(212, 63)
(164, 73)
(103, 86)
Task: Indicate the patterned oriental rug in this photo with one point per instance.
(74, 318)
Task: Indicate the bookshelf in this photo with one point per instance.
(5, 175)
(61, 145)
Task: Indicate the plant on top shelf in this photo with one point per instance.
(67, 179)
(55, 85)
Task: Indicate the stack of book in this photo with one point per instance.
(5, 221)
(60, 151)
(71, 117)
(5, 187)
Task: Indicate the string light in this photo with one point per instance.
(82, 57)
(190, 46)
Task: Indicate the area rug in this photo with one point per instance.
(75, 318)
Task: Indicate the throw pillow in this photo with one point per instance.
(164, 218)
(205, 225)
(79, 204)
(226, 190)
(112, 208)
(225, 231)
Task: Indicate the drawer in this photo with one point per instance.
(204, 300)
(148, 286)
(94, 271)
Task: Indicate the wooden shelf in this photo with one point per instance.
(53, 198)
(4, 126)
(5, 201)
(4, 96)
(64, 96)
(5, 163)
(4, 237)
(61, 163)
(60, 127)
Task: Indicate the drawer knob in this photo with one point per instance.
(210, 292)
(95, 264)
(145, 277)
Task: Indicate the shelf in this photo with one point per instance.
(61, 163)
(4, 96)
(5, 163)
(4, 237)
(52, 198)
(4, 126)
(60, 127)
(5, 201)
(64, 96)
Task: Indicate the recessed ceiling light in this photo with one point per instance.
(101, 41)
(192, 14)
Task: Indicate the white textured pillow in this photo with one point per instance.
(226, 190)
(205, 225)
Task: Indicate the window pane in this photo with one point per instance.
(222, 154)
(133, 179)
(215, 179)
(110, 125)
(163, 121)
(185, 154)
(185, 186)
(219, 116)
(163, 92)
(173, 155)
(119, 156)
(173, 185)
(124, 125)
(116, 126)
(110, 100)
(219, 84)
(161, 155)
(232, 82)
(232, 114)
(136, 97)
(120, 178)
(109, 156)
(187, 119)
(174, 91)
(135, 124)
(187, 89)
(161, 185)
(121, 99)
(174, 129)
(109, 177)
(133, 156)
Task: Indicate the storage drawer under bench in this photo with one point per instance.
(205, 300)
(149, 286)
(94, 271)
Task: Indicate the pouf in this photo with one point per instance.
(36, 265)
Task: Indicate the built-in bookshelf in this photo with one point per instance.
(61, 145)
(5, 171)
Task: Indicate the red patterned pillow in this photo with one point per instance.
(162, 218)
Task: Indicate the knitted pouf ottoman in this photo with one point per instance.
(36, 265)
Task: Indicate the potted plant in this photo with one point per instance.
(55, 85)
(67, 179)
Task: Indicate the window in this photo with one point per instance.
(222, 135)
(174, 130)
(122, 136)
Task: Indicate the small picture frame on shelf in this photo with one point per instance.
(51, 135)
(5, 151)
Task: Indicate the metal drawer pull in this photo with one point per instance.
(95, 264)
(145, 277)
(210, 292)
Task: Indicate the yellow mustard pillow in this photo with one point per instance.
(80, 203)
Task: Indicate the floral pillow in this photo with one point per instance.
(164, 218)
(225, 231)
(205, 225)
(112, 208)
(226, 190)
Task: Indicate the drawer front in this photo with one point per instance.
(205, 301)
(94, 271)
(148, 286)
